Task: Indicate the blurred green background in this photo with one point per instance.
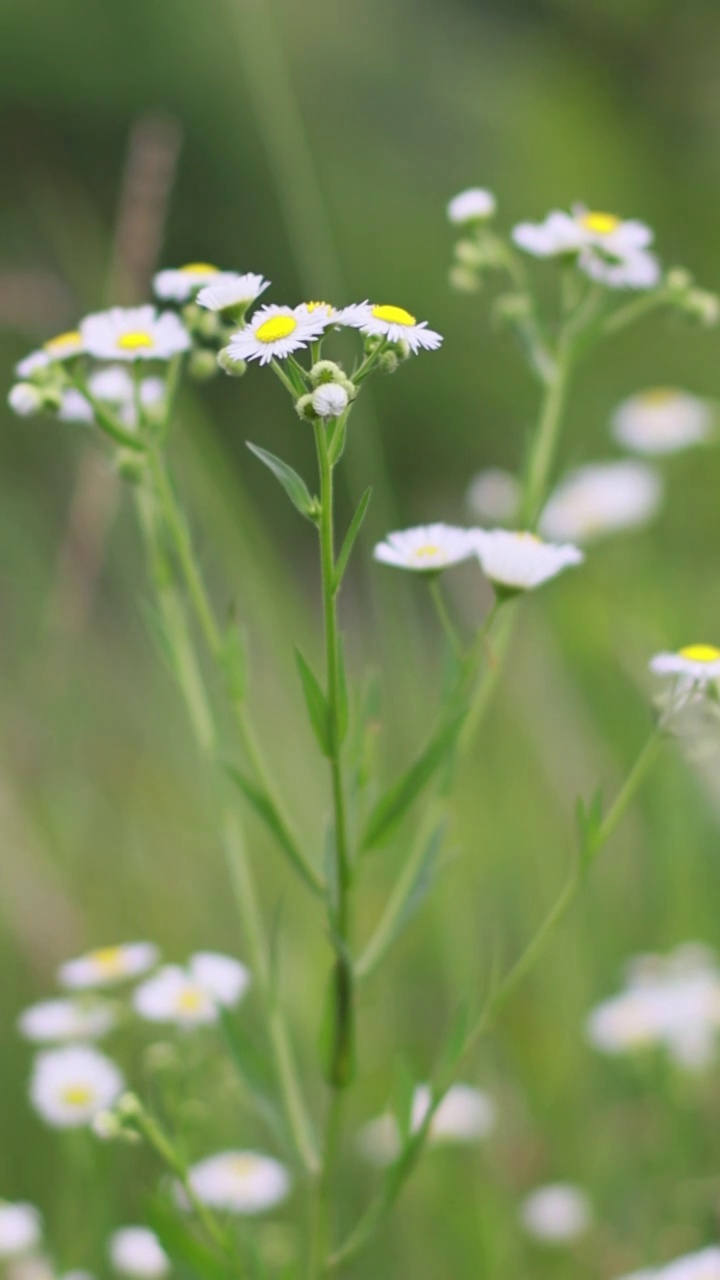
(319, 143)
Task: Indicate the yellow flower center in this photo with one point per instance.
(700, 653)
(428, 551)
(77, 1095)
(529, 537)
(135, 340)
(190, 1000)
(318, 306)
(199, 269)
(70, 339)
(601, 224)
(109, 959)
(394, 315)
(242, 1166)
(659, 395)
(275, 328)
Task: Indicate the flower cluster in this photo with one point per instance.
(511, 561)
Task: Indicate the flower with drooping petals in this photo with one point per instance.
(609, 249)
(178, 284)
(232, 292)
(521, 561)
(698, 662)
(474, 205)
(25, 399)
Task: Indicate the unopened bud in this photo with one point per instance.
(326, 371)
(330, 400)
(512, 308)
(678, 280)
(130, 465)
(464, 280)
(203, 365)
(702, 306)
(128, 1106)
(236, 368)
(161, 1056)
(26, 399)
(304, 408)
(388, 362)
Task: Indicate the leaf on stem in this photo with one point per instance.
(392, 807)
(316, 703)
(267, 811)
(182, 1246)
(254, 1071)
(349, 540)
(589, 819)
(292, 483)
(234, 662)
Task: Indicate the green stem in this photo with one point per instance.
(632, 311)
(320, 1225)
(546, 437)
(164, 1148)
(445, 620)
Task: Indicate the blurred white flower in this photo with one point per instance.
(703, 1265)
(601, 499)
(394, 323)
(662, 420)
(190, 997)
(557, 1213)
(56, 1020)
(136, 1251)
(274, 332)
(520, 561)
(465, 1114)
(223, 977)
(494, 494)
(330, 400)
(32, 363)
(426, 548)
(611, 250)
(700, 663)
(232, 292)
(20, 1228)
(239, 1182)
(474, 205)
(74, 407)
(178, 284)
(69, 1086)
(108, 965)
(113, 383)
(25, 399)
(134, 333)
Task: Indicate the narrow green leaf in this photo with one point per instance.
(350, 537)
(403, 1096)
(416, 880)
(316, 704)
(265, 809)
(255, 1073)
(234, 662)
(292, 483)
(392, 807)
(182, 1246)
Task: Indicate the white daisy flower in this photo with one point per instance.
(108, 965)
(611, 250)
(640, 270)
(394, 323)
(69, 1086)
(557, 1213)
(494, 494)
(63, 347)
(624, 1024)
(232, 292)
(113, 383)
(465, 1114)
(703, 1265)
(474, 205)
(55, 1020)
(30, 364)
(318, 310)
(74, 407)
(662, 420)
(223, 977)
(134, 333)
(136, 1251)
(25, 399)
(521, 561)
(427, 548)
(190, 997)
(273, 333)
(240, 1182)
(699, 662)
(601, 499)
(330, 400)
(20, 1228)
(178, 284)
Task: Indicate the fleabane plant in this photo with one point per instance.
(122, 372)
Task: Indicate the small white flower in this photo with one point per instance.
(623, 1024)
(274, 333)
(558, 234)
(177, 284)
(611, 250)
(232, 292)
(63, 347)
(134, 333)
(113, 383)
(69, 1086)
(25, 399)
(394, 323)
(223, 977)
(136, 1251)
(601, 499)
(330, 400)
(638, 270)
(20, 1228)
(190, 997)
(426, 548)
(520, 561)
(703, 1265)
(108, 965)
(74, 407)
(56, 1020)
(240, 1182)
(494, 495)
(699, 662)
(557, 1213)
(32, 363)
(662, 420)
(475, 204)
(465, 1114)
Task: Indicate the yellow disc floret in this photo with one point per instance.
(243, 1166)
(136, 341)
(394, 315)
(57, 345)
(109, 959)
(601, 224)
(428, 552)
(199, 269)
(659, 396)
(700, 653)
(190, 1000)
(276, 328)
(77, 1095)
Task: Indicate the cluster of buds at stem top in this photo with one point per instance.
(698, 305)
(28, 398)
(331, 395)
(120, 1123)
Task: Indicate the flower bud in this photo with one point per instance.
(106, 1125)
(305, 409)
(25, 399)
(388, 362)
(330, 400)
(236, 368)
(703, 306)
(130, 465)
(128, 1106)
(326, 371)
(203, 365)
(464, 280)
(512, 308)
(349, 387)
(161, 1056)
(470, 254)
(475, 205)
(678, 280)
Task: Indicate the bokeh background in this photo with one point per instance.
(319, 143)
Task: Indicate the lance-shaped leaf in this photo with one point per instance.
(255, 1073)
(184, 1248)
(350, 537)
(264, 807)
(416, 881)
(392, 807)
(316, 704)
(293, 484)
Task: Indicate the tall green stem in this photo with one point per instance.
(546, 439)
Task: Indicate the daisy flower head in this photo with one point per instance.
(108, 965)
(136, 1251)
(623, 1024)
(494, 494)
(601, 499)
(474, 205)
(20, 1228)
(699, 663)
(516, 561)
(395, 324)
(274, 333)
(233, 293)
(318, 309)
(51, 1021)
(190, 997)
(428, 548)
(178, 284)
(557, 1213)
(611, 250)
(70, 1086)
(134, 333)
(662, 420)
(239, 1182)
(65, 346)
